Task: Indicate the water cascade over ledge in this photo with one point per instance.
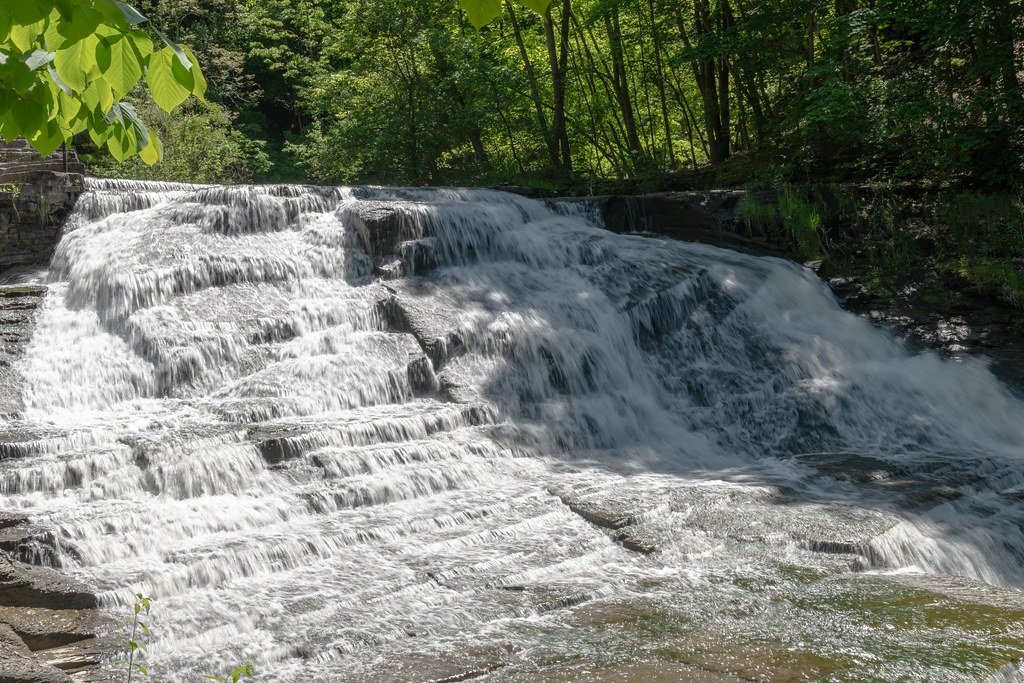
(373, 434)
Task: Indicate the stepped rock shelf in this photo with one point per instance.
(375, 434)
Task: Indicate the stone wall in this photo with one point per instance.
(36, 194)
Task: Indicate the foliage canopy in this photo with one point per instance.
(68, 65)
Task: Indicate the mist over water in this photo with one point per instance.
(394, 434)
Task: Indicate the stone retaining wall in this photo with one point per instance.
(36, 194)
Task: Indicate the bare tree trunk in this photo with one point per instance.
(558, 69)
(620, 81)
(534, 90)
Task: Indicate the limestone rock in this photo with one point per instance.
(27, 586)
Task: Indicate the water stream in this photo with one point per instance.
(371, 434)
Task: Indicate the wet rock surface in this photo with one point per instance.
(47, 623)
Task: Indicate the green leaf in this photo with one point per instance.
(9, 128)
(98, 96)
(538, 6)
(111, 13)
(20, 75)
(30, 115)
(178, 50)
(76, 63)
(62, 85)
(65, 8)
(151, 154)
(199, 81)
(163, 82)
(214, 678)
(5, 24)
(24, 35)
(37, 58)
(30, 11)
(142, 669)
(121, 146)
(141, 44)
(48, 138)
(80, 121)
(481, 11)
(120, 65)
(131, 15)
(82, 24)
(98, 129)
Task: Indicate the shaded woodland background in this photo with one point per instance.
(654, 93)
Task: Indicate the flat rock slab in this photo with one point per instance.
(30, 586)
(40, 628)
(89, 660)
(646, 519)
(17, 666)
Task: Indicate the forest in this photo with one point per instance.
(649, 94)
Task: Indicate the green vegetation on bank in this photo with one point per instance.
(652, 93)
(892, 238)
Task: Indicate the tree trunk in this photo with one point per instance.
(620, 81)
(557, 64)
(534, 90)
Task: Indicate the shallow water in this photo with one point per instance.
(356, 434)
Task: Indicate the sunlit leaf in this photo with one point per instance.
(24, 36)
(163, 82)
(30, 116)
(151, 154)
(98, 97)
(47, 138)
(122, 69)
(111, 13)
(198, 80)
(179, 51)
(481, 11)
(76, 63)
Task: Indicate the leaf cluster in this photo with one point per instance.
(68, 65)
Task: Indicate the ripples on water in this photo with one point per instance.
(384, 434)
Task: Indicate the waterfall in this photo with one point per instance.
(367, 433)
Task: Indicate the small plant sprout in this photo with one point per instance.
(236, 673)
(134, 644)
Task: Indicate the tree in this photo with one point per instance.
(68, 65)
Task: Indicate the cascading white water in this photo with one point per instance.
(381, 434)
